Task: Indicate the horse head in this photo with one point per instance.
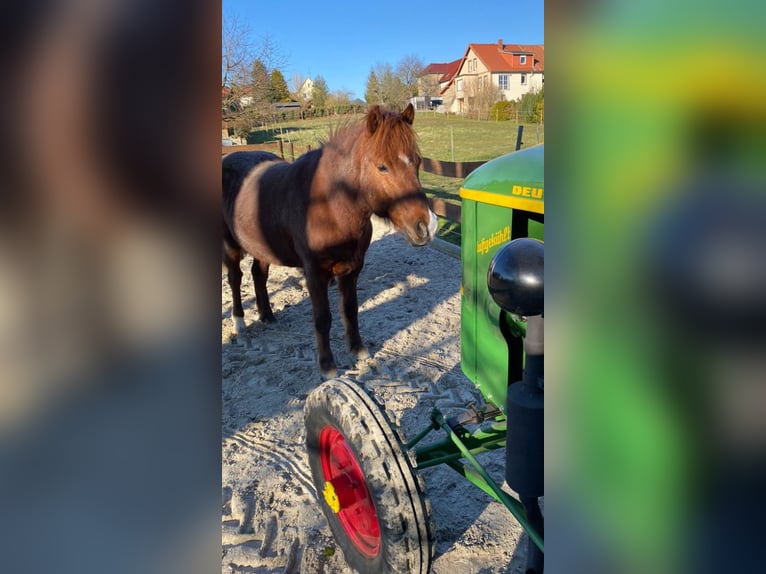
(390, 160)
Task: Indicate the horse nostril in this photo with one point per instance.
(422, 230)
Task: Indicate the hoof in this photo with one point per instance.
(267, 318)
(328, 368)
(361, 353)
(330, 374)
(239, 325)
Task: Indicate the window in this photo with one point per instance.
(460, 84)
(502, 81)
(522, 60)
(523, 79)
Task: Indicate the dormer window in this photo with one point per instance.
(523, 60)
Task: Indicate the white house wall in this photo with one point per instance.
(516, 89)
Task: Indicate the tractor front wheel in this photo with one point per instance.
(368, 490)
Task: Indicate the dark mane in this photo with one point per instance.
(394, 135)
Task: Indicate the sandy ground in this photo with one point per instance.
(410, 318)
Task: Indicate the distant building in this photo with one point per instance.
(513, 69)
(306, 89)
(422, 103)
(435, 78)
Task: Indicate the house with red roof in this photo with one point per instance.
(491, 72)
(435, 77)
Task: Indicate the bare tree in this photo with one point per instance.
(268, 57)
(246, 70)
(393, 87)
(428, 85)
(481, 93)
(389, 89)
(408, 70)
(236, 58)
(339, 101)
(270, 53)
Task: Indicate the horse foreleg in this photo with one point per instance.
(350, 314)
(260, 276)
(320, 305)
(231, 257)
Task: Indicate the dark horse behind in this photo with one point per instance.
(316, 214)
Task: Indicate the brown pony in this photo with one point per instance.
(315, 214)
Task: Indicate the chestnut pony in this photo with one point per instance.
(315, 214)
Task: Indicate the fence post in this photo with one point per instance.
(292, 151)
(281, 147)
(518, 138)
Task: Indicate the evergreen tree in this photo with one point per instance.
(279, 90)
(319, 93)
(384, 86)
(372, 94)
(260, 84)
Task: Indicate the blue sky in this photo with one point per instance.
(342, 41)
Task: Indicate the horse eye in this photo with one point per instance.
(382, 168)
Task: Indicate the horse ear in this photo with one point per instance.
(374, 116)
(409, 114)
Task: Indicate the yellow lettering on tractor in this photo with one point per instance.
(533, 192)
(497, 238)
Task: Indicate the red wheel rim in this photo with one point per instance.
(345, 484)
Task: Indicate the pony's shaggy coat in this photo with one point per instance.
(315, 214)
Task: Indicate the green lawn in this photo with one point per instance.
(442, 137)
(448, 138)
(451, 138)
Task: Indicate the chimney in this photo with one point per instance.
(500, 44)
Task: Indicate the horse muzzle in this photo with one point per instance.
(422, 232)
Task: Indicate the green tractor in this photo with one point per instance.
(366, 477)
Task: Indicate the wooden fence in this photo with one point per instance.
(284, 150)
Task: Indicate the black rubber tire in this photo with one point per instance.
(403, 511)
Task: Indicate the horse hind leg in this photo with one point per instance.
(350, 314)
(231, 258)
(260, 272)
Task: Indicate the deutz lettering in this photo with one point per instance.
(533, 192)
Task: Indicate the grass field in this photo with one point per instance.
(447, 138)
(442, 137)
